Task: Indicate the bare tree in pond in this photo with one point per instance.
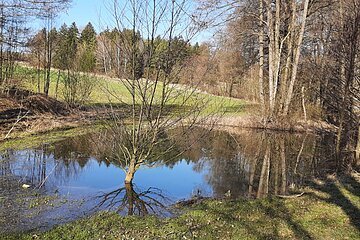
(154, 37)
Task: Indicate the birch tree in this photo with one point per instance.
(282, 69)
(280, 27)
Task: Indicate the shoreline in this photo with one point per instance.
(319, 213)
(253, 122)
(47, 123)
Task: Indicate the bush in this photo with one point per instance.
(77, 87)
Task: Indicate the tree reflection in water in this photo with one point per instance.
(242, 163)
(261, 163)
(234, 163)
(127, 200)
(39, 167)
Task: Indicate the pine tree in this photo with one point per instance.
(61, 58)
(86, 49)
(72, 40)
(88, 35)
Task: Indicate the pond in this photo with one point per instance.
(72, 178)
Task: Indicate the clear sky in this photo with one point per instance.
(96, 11)
(82, 12)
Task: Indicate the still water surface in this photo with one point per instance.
(237, 163)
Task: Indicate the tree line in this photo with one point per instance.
(14, 29)
(107, 53)
(296, 59)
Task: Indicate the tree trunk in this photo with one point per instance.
(57, 84)
(261, 58)
(277, 54)
(130, 172)
(303, 102)
(39, 72)
(287, 70)
(296, 60)
(48, 64)
(270, 24)
(230, 89)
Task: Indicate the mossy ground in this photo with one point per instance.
(326, 211)
(26, 141)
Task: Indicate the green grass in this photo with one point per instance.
(103, 86)
(30, 141)
(326, 211)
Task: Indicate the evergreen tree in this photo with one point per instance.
(88, 35)
(72, 42)
(86, 49)
(61, 58)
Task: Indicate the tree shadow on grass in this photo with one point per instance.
(273, 209)
(336, 196)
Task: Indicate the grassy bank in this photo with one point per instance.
(328, 210)
(112, 90)
(103, 93)
(26, 141)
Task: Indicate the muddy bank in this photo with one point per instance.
(255, 122)
(24, 113)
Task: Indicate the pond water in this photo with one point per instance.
(72, 179)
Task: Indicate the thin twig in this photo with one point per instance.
(17, 121)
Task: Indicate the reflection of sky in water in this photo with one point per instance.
(84, 186)
(178, 182)
(212, 168)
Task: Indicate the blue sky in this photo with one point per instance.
(95, 11)
(82, 12)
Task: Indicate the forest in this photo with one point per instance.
(231, 119)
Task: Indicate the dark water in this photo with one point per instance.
(81, 181)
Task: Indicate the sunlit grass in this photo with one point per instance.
(110, 90)
(30, 141)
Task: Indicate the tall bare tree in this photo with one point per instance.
(48, 11)
(157, 103)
